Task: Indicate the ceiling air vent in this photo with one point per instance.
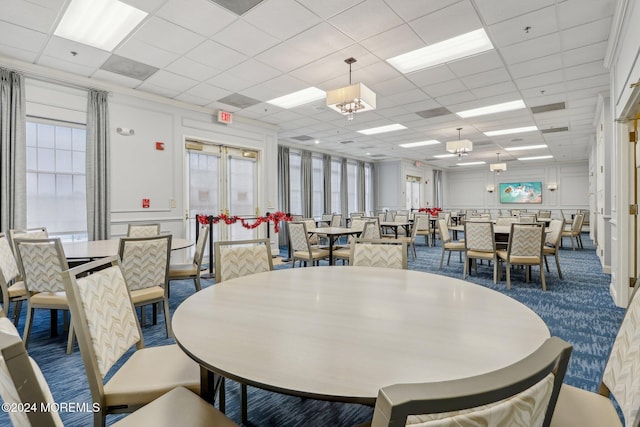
(548, 107)
(239, 7)
(554, 130)
(128, 67)
(239, 101)
(302, 138)
(434, 112)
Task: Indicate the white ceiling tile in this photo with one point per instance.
(14, 36)
(39, 16)
(476, 64)
(208, 91)
(581, 55)
(536, 66)
(393, 86)
(118, 79)
(443, 24)
(253, 71)
(498, 10)
(324, 38)
(496, 91)
(193, 99)
(18, 53)
(281, 18)
(159, 90)
(366, 20)
(412, 9)
(585, 70)
(279, 86)
(88, 56)
(431, 76)
(167, 36)
(229, 81)
(393, 42)
(328, 8)
(588, 82)
(170, 81)
(146, 5)
(587, 34)
(573, 12)
(285, 58)
(456, 98)
(333, 66)
(243, 37)
(486, 78)
(70, 67)
(531, 49)
(524, 27)
(189, 68)
(215, 55)
(200, 16)
(543, 79)
(147, 54)
(445, 88)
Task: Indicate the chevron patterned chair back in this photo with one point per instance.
(145, 265)
(311, 225)
(241, 258)
(336, 220)
(11, 284)
(506, 220)
(143, 230)
(386, 253)
(104, 314)
(27, 233)
(41, 263)
(370, 230)
(621, 379)
(480, 243)
(524, 248)
(520, 395)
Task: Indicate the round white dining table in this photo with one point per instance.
(104, 248)
(341, 333)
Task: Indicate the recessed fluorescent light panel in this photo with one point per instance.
(510, 131)
(419, 143)
(300, 97)
(382, 129)
(470, 163)
(492, 109)
(99, 23)
(444, 156)
(526, 147)
(442, 52)
(535, 158)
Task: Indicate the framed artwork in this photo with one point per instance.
(521, 192)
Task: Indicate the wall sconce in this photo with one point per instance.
(491, 188)
(552, 187)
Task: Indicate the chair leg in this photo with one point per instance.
(495, 271)
(71, 338)
(508, 268)
(449, 258)
(166, 317)
(466, 265)
(544, 283)
(558, 266)
(17, 309)
(197, 283)
(27, 327)
(442, 259)
(546, 263)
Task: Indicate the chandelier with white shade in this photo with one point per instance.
(351, 99)
(461, 147)
(498, 167)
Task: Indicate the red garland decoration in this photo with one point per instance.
(275, 217)
(431, 211)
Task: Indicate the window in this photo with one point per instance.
(56, 178)
(295, 184)
(336, 181)
(368, 187)
(317, 180)
(352, 186)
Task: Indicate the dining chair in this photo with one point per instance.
(524, 248)
(410, 240)
(422, 224)
(301, 249)
(480, 244)
(621, 380)
(528, 218)
(574, 232)
(238, 258)
(311, 225)
(344, 252)
(143, 230)
(385, 253)
(449, 245)
(506, 220)
(336, 220)
(373, 231)
(326, 219)
(41, 263)
(107, 327)
(520, 395)
(27, 233)
(193, 269)
(145, 265)
(544, 214)
(552, 243)
(11, 283)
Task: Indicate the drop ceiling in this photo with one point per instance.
(549, 53)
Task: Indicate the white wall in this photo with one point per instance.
(467, 188)
(139, 170)
(390, 179)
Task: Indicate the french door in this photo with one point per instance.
(221, 179)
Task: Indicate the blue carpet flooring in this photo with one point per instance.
(577, 309)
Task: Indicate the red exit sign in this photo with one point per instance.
(224, 117)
